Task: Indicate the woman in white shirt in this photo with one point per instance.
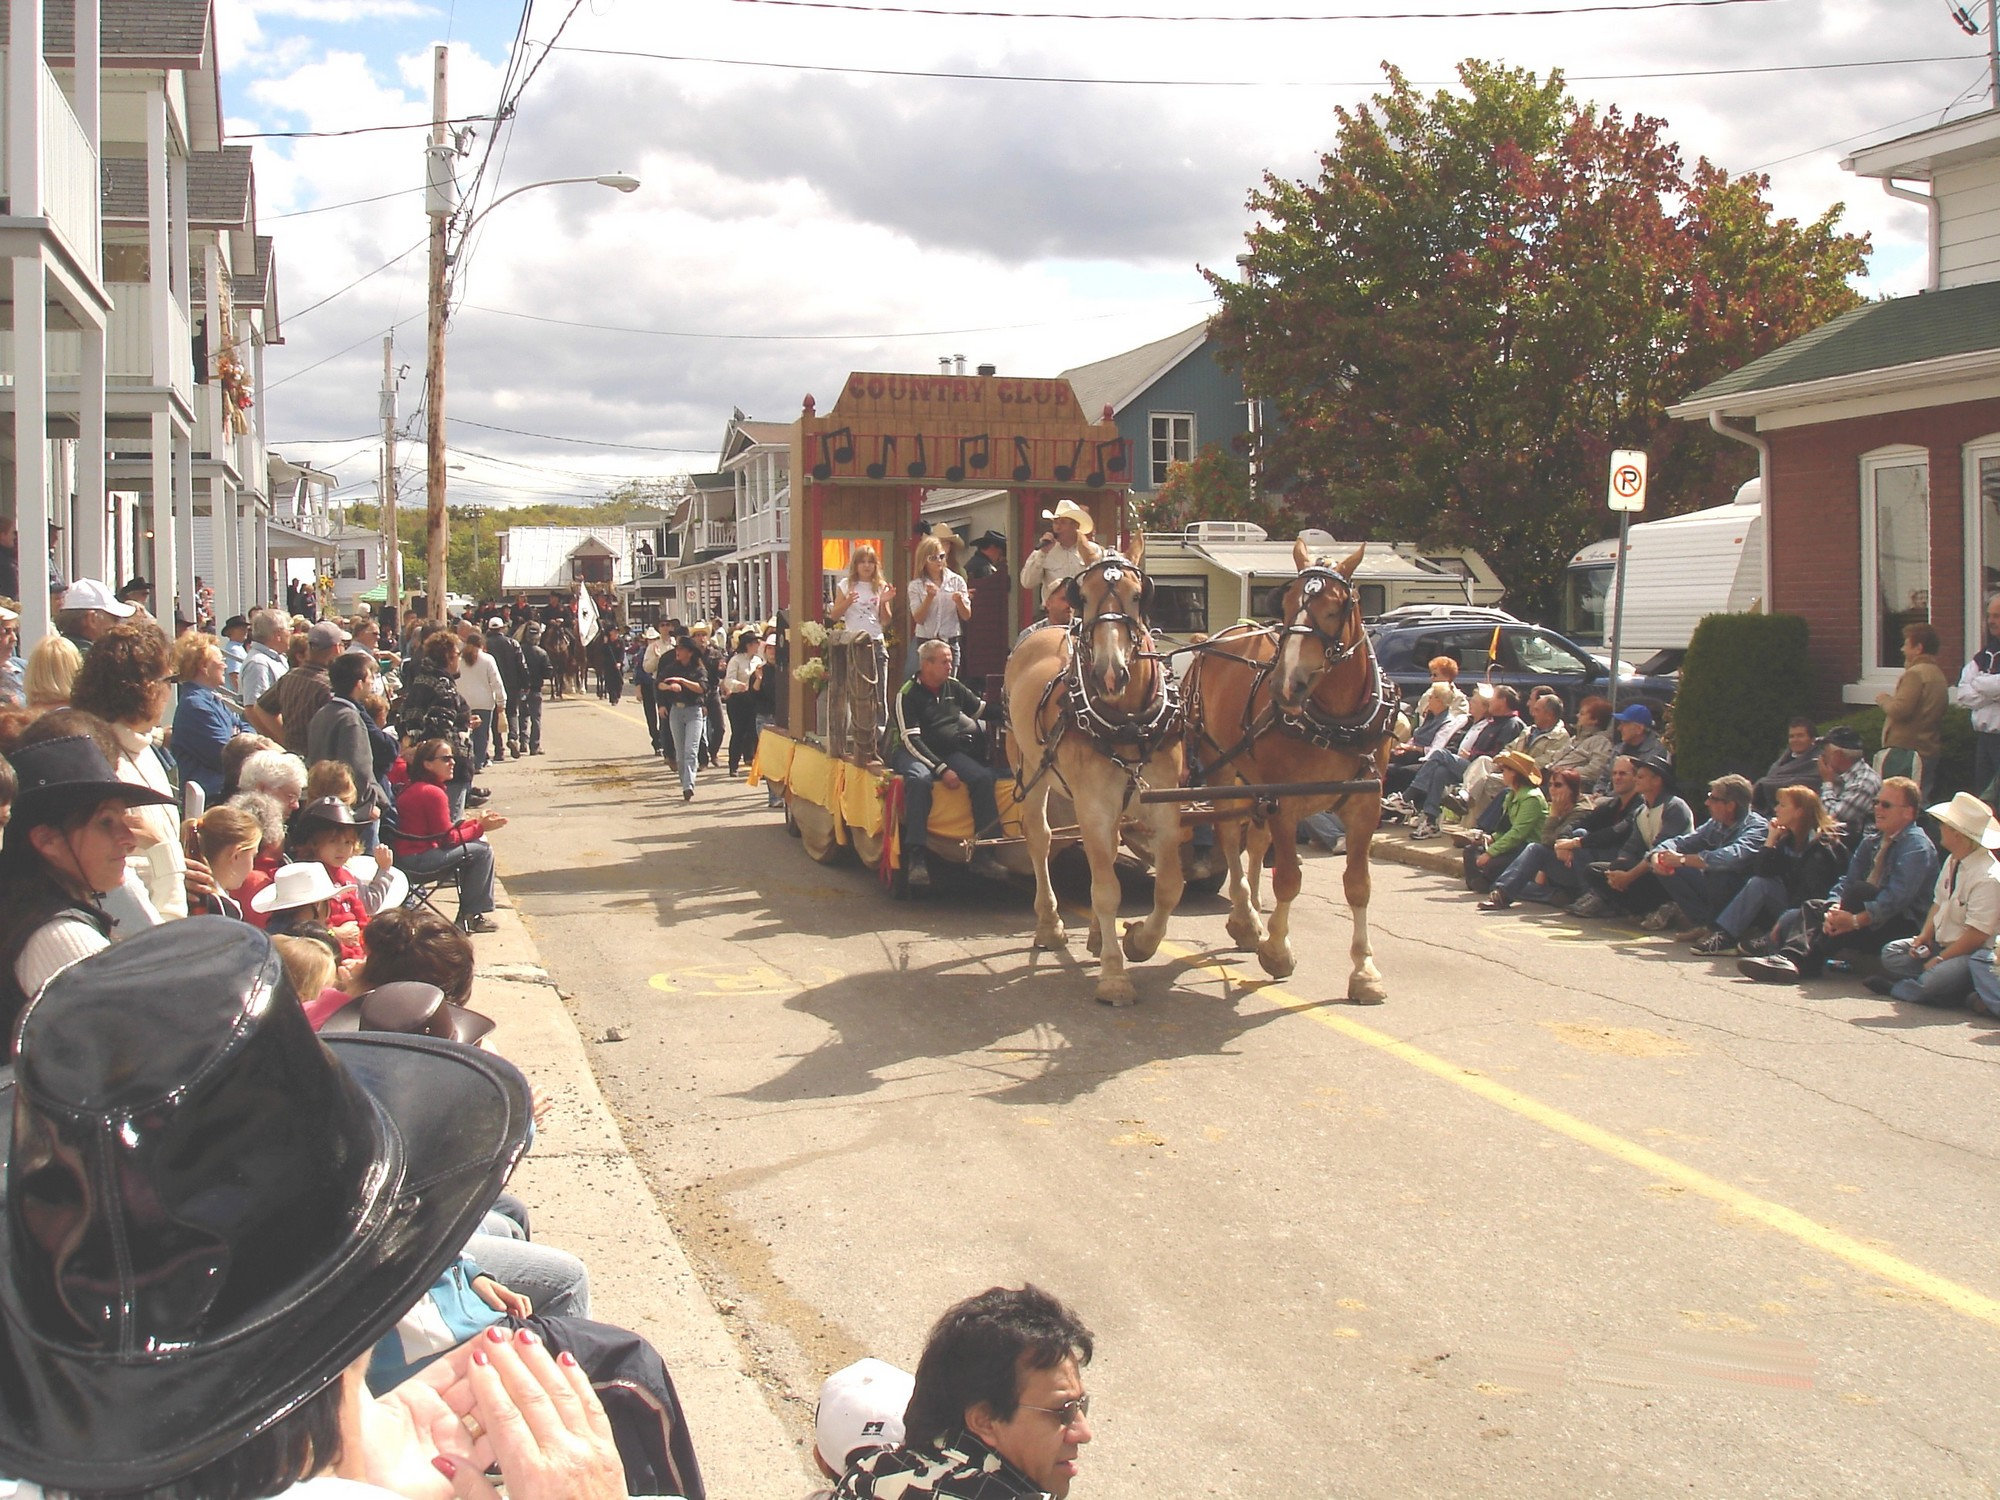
(940, 603)
(125, 681)
(864, 598)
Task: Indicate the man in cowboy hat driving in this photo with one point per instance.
(1060, 553)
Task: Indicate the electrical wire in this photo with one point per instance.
(272, 385)
(584, 442)
(1237, 83)
(327, 135)
(327, 208)
(931, 333)
(1602, 8)
(364, 276)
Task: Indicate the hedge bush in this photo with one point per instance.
(1743, 678)
(1954, 771)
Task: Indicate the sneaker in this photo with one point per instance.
(1590, 904)
(1456, 800)
(1663, 918)
(917, 874)
(1496, 901)
(477, 924)
(478, 797)
(1753, 947)
(1423, 828)
(687, 794)
(1774, 969)
(1717, 944)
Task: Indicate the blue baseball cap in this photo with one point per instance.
(1635, 713)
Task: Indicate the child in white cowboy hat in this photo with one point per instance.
(1062, 551)
(1938, 965)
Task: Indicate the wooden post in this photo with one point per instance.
(436, 525)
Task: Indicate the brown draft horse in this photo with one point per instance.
(1091, 709)
(1301, 701)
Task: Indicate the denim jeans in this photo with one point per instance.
(531, 720)
(1518, 880)
(772, 797)
(917, 784)
(1434, 778)
(1701, 893)
(1985, 983)
(688, 723)
(482, 741)
(460, 783)
(1948, 983)
(554, 1280)
(1752, 910)
(472, 866)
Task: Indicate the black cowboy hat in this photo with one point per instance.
(209, 1213)
(56, 776)
(989, 539)
(411, 1007)
(327, 810)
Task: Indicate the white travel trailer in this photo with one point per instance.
(1677, 570)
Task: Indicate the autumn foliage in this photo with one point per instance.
(1489, 289)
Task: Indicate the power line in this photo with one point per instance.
(584, 442)
(931, 333)
(272, 385)
(327, 208)
(1240, 83)
(1406, 15)
(365, 275)
(326, 135)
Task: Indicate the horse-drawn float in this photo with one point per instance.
(1097, 742)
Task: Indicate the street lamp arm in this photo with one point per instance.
(623, 182)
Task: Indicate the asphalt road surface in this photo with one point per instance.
(1574, 1213)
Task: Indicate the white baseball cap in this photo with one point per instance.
(860, 1407)
(90, 593)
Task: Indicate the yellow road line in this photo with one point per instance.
(1787, 1221)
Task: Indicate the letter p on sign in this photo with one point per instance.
(1628, 479)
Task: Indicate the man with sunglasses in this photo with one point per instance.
(998, 1412)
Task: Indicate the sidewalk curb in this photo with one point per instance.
(589, 1197)
(1395, 849)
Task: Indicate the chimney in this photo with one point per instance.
(989, 369)
(959, 360)
(944, 364)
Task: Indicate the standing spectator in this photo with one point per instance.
(484, 692)
(1526, 812)
(1935, 967)
(611, 663)
(1913, 715)
(1804, 854)
(285, 711)
(711, 652)
(1798, 766)
(998, 1410)
(940, 603)
(88, 610)
(765, 683)
(430, 841)
(10, 558)
(685, 681)
(264, 660)
(1702, 871)
(538, 669)
(1626, 883)
(204, 723)
(235, 651)
(739, 702)
(339, 732)
(646, 678)
(1849, 786)
(431, 709)
(506, 654)
(1881, 898)
(1979, 693)
(125, 682)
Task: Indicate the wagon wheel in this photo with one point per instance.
(791, 821)
(816, 833)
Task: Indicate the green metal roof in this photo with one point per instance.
(1879, 336)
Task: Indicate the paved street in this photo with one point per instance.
(1564, 1217)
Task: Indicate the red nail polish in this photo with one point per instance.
(566, 1358)
(479, 1357)
(444, 1465)
(527, 1336)
(497, 1333)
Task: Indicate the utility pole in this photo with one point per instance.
(392, 541)
(441, 201)
(1993, 48)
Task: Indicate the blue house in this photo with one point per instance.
(1170, 399)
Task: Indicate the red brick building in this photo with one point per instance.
(1879, 434)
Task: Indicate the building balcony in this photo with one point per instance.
(128, 346)
(709, 536)
(70, 186)
(765, 528)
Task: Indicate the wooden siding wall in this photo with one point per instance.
(1198, 384)
(1968, 223)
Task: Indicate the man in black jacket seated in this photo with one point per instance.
(937, 740)
(1553, 873)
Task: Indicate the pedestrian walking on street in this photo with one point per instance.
(485, 693)
(739, 702)
(611, 664)
(506, 654)
(538, 670)
(644, 674)
(686, 680)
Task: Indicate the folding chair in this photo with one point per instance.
(423, 888)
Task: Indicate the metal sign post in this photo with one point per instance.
(1627, 494)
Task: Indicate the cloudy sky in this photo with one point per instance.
(809, 207)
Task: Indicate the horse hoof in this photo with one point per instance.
(1366, 989)
(1116, 992)
(1277, 962)
(1051, 937)
(1138, 947)
(1243, 933)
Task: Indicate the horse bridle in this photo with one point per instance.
(1312, 582)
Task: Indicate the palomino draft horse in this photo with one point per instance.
(1090, 708)
(1302, 701)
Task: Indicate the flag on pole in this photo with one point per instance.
(586, 615)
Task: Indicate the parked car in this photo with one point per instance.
(1504, 650)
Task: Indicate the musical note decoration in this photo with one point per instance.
(973, 453)
(1024, 468)
(1065, 472)
(1110, 457)
(920, 465)
(880, 468)
(836, 447)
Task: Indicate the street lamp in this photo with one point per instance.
(442, 209)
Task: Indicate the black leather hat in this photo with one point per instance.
(325, 810)
(412, 1007)
(56, 775)
(209, 1213)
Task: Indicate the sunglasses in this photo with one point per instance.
(1068, 1414)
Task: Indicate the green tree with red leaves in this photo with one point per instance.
(1214, 485)
(1486, 291)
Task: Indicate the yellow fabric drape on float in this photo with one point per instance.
(860, 800)
(773, 760)
(951, 810)
(810, 775)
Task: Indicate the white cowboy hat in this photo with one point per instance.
(299, 884)
(1069, 510)
(1969, 816)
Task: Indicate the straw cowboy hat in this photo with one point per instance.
(1969, 816)
(1069, 510)
(942, 532)
(210, 1212)
(1522, 764)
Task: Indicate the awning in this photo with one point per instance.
(288, 541)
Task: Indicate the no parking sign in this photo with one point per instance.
(1628, 479)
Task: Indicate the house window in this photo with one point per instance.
(353, 563)
(1895, 554)
(1180, 605)
(1982, 535)
(1173, 442)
